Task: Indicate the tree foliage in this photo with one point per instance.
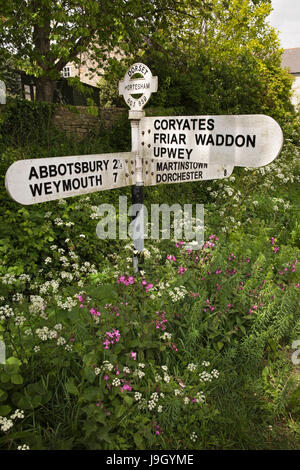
(221, 58)
(44, 35)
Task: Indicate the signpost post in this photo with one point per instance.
(2, 92)
(164, 150)
(136, 92)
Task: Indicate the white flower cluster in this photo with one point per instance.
(200, 397)
(61, 341)
(49, 286)
(44, 333)
(207, 377)
(18, 297)
(23, 447)
(24, 278)
(194, 437)
(48, 260)
(17, 414)
(116, 383)
(153, 401)
(178, 293)
(20, 320)
(138, 373)
(166, 336)
(106, 365)
(177, 392)
(8, 279)
(7, 423)
(37, 304)
(142, 405)
(137, 396)
(58, 221)
(191, 367)
(126, 370)
(66, 275)
(67, 304)
(6, 312)
(206, 363)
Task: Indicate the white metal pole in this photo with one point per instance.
(137, 190)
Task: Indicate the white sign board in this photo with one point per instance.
(2, 92)
(166, 171)
(45, 179)
(131, 87)
(245, 140)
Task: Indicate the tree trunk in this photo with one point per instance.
(45, 88)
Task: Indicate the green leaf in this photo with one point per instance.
(71, 387)
(91, 393)
(16, 379)
(3, 395)
(128, 400)
(4, 410)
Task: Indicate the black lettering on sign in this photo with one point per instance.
(43, 172)
(219, 140)
(57, 185)
(33, 173)
(36, 189)
(52, 170)
(47, 188)
(210, 124)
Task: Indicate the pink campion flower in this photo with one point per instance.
(181, 270)
(126, 387)
(178, 244)
(275, 249)
(80, 298)
(106, 377)
(171, 258)
(130, 280)
(144, 282)
(133, 355)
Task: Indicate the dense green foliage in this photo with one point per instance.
(194, 352)
(196, 347)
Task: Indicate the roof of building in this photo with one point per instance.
(291, 60)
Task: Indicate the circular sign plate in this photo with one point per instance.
(142, 86)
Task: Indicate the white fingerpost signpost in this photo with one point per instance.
(136, 93)
(165, 150)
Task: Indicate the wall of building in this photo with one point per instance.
(77, 121)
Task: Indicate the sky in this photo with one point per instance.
(285, 17)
